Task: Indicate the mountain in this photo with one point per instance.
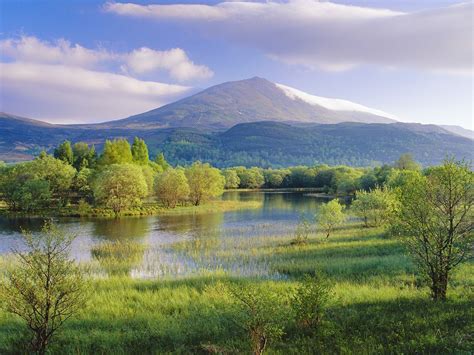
(460, 131)
(223, 106)
(252, 144)
(251, 122)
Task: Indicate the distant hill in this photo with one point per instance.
(460, 131)
(252, 144)
(223, 106)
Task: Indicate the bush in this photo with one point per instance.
(310, 301)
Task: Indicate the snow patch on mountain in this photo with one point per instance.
(329, 103)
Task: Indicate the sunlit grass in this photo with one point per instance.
(378, 304)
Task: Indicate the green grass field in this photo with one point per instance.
(378, 304)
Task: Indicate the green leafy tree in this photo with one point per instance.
(330, 216)
(140, 152)
(171, 187)
(258, 314)
(116, 152)
(276, 178)
(84, 156)
(232, 180)
(406, 162)
(435, 220)
(64, 152)
(120, 187)
(205, 182)
(83, 184)
(45, 288)
(311, 300)
(161, 161)
(375, 207)
(150, 175)
(33, 194)
(250, 178)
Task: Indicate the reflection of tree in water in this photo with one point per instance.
(297, 202)
(13, 224)
(128, 228)
(204, 232)
(124, 247)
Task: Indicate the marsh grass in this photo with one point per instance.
(378, 304)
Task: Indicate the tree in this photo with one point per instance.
(375, 207)
(84, 156)
(435, 220)
(64, 152)
(120, 186)
(32, 195)
(232, 180)
(140, 152)
(275, 178)
(150, 175)
(258, 314)
(82, 184)
(406, 162)
(116, 152)
(250, 178)
(172, 187)
(161, 161)
(310, 300)
(45, 288)
(204, 181)
(330, 216)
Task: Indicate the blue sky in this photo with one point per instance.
(87, 61)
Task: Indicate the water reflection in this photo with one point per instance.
(177, 245)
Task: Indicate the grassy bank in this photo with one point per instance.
(378, 305)
(147, 209)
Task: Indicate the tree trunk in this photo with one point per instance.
(439, 286)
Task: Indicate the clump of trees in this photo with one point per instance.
(120, 187)
(45, 288)
(435, 220)
(204, 181)
(375, 207)
(172, 187)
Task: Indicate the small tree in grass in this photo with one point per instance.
(171, 187)
(310, 300)
(375, 207)
(302, 232)
(330, 216)
(435, 220)
(259, 314)
(46, 288)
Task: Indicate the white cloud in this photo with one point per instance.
(62, 82)
(33, 50)
(331, 36)
(61, 93)
(176, 61)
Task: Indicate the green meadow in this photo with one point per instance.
(377, 303)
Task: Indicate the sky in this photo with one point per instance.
(82, 61)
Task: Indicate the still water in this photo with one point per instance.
(180, 245)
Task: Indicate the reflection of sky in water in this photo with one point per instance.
(184, 244)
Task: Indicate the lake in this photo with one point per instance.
(180, 245)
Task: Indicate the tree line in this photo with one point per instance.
(122, 177)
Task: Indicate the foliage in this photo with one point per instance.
(310, 300)
(140, 151)
(330, 216)
(161, 161)
(84, 156)
(116, 152)
(435, 221)
(64, 152)
(406, 162)
(375, 207)
(232, 180)
(172, 187)
(258, 314)
(250, 178)
(302, 232)
(205, 182)
(120, 186)
(46, 288)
